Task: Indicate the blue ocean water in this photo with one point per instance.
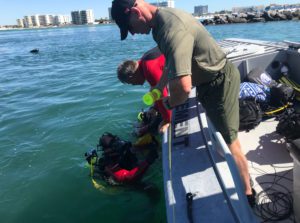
(54, 105)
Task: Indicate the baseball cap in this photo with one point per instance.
(120, 12)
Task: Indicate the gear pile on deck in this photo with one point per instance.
(262, 97)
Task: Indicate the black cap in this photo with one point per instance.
(120, 12)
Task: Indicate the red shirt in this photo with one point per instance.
(127, 176)
(152, 66)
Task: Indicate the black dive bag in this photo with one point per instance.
(289, 124)
(250, 114)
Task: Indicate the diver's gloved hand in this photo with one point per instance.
(152, 156)
(90, 155)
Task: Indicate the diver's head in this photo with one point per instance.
(150, 115)
(106, 140)
(129, 72)
(152, 112)
(110, 143)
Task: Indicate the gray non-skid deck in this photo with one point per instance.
(270, 166)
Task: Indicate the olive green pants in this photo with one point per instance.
(220, 100)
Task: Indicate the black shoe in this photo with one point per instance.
(252, 198)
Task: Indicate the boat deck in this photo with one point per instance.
(270, 166)
(197, 161)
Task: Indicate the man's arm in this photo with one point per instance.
(179, 88)
(179, 56)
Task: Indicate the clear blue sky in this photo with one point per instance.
(10, 10)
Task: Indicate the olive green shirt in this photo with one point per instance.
(187, 46)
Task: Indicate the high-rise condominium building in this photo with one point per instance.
(20, 23)
(61, 20)
(82, 17)
(27, 21)
(169, 3)
(76, 19)
(200, 10)
(87, 16)
(45, 20)
(109, 13)
(35, 20)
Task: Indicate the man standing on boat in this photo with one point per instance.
(150, 68)
(193, 58)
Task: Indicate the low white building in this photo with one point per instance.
(43, 20)
(285, 7)
(259, 8)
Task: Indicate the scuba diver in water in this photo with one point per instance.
(118, 163)
(149, 121)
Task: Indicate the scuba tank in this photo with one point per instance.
(144, 140)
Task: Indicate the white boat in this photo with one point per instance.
(201, 180)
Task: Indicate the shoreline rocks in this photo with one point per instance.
(250, 17)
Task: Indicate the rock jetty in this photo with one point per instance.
(266, 16)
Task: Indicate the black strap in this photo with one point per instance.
(189, 202)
